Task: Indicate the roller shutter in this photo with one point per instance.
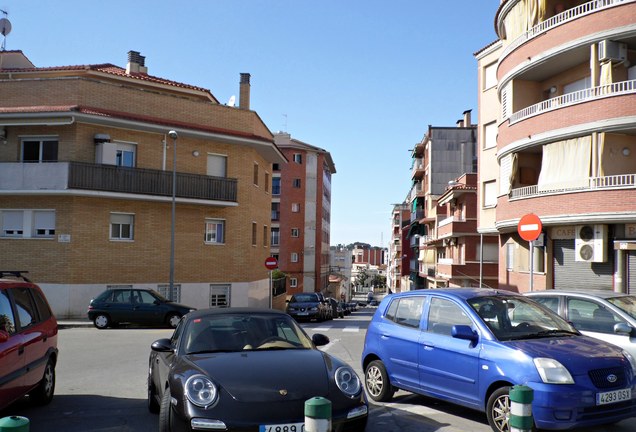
(631, 272)
(571, 274)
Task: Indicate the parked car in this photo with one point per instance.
(307, 306)
(336, 310)
(28, 341)
(345, 307)
(248, 369)
(605, 315)
(470, 346)
(136, 306)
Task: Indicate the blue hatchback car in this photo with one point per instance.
(469, 346)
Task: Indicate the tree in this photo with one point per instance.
(362, 277)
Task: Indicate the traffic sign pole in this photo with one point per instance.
(531, 265)
(529, 229)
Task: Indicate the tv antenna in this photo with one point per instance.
(5, 29)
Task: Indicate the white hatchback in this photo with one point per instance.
(603, 314)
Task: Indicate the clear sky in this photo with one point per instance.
(361, 79)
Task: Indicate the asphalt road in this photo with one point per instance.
(101, 385)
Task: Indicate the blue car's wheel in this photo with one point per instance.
(376, 381)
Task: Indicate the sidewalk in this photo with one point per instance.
(73, 323)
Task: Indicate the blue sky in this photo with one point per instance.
(362, 79)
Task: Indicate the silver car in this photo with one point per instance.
(603, 314)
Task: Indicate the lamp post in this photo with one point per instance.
(173, 134)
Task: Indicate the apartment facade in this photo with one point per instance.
(301, 214)
(399, 254)
(86, 185)
(562, 83)
(443, 155)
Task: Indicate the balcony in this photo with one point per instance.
(95, 177)
(623, 181)
(452, 226)
(417, 170)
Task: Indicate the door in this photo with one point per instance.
(119, 306)
(400, 340)
(147, 309)
(12, 358)
(449, 367)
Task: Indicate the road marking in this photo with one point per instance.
(351, 329)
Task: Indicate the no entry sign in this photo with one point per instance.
(530, 227)
(271, 263)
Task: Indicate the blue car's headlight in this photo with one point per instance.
(552, 372)
(201, 391)
(347, 381)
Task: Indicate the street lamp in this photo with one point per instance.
(173, 134)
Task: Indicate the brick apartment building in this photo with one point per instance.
(301, 214)
(86, 184)
(557, 127)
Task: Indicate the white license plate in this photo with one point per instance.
(613, 396)
(288, 427)
(303, 313)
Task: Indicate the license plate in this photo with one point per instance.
(613, 396)
(303, 313)
(288, 427)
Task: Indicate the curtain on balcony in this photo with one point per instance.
(427, 256)
(522, 17)
(566, 164)
(606, 77)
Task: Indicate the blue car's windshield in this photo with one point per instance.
(517, 317)
(241, 332)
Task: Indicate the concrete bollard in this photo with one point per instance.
(14, 424)
(318, 415)
(521, 408)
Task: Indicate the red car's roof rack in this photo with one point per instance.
(14, 273)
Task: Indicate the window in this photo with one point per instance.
(125, 155)
(256, 174)
(219, 296)
(490, 194)
(25, 306)
(294, 257)
(490, 135)
(121, 226)
(293, 282)
(298, 158)
(253, 233)
(295, 232)
(275, 237)
(295, 208)
(443, 315)
(296, 183)
(266, 182)
(275, 211)
(39, 150)
(7, 320)
(27, 223)
(276, 186)
(265, 235)
(217, 165)
(164, 290)
(510, 256)
(214, 231)
(275, 167)
(407, 311)
(490, 76)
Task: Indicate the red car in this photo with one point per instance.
(28, 341)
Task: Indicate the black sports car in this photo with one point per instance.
(247, 369)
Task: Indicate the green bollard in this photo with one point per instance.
(318, 415)
(14, 424)
(521, 408)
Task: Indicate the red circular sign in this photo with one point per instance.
(529, 227)
(271, 263)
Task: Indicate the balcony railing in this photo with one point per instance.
(565, 16)
(111, 178)
(585, 95)
(626, 181)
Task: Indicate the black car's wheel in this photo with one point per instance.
(164, 412)
(101, 321)
(377, 383)
(43, 393)
(173, 319)
(153, 405)
(498, 410)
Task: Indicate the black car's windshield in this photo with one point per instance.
(304, 298)
(241, 332)
(517, 317)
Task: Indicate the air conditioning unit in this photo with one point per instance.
(590, 244)
(611, 50)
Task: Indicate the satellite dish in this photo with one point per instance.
(5, 26)
(232, 101)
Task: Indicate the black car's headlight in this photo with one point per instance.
(201, 391)
(347, 381)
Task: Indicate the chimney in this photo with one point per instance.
(467, 120)
(244, 92)
(460, 123)
(136, 63)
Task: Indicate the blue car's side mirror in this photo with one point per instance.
(464, 332)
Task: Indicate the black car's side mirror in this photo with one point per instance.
(162, 345)
(319, 339)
